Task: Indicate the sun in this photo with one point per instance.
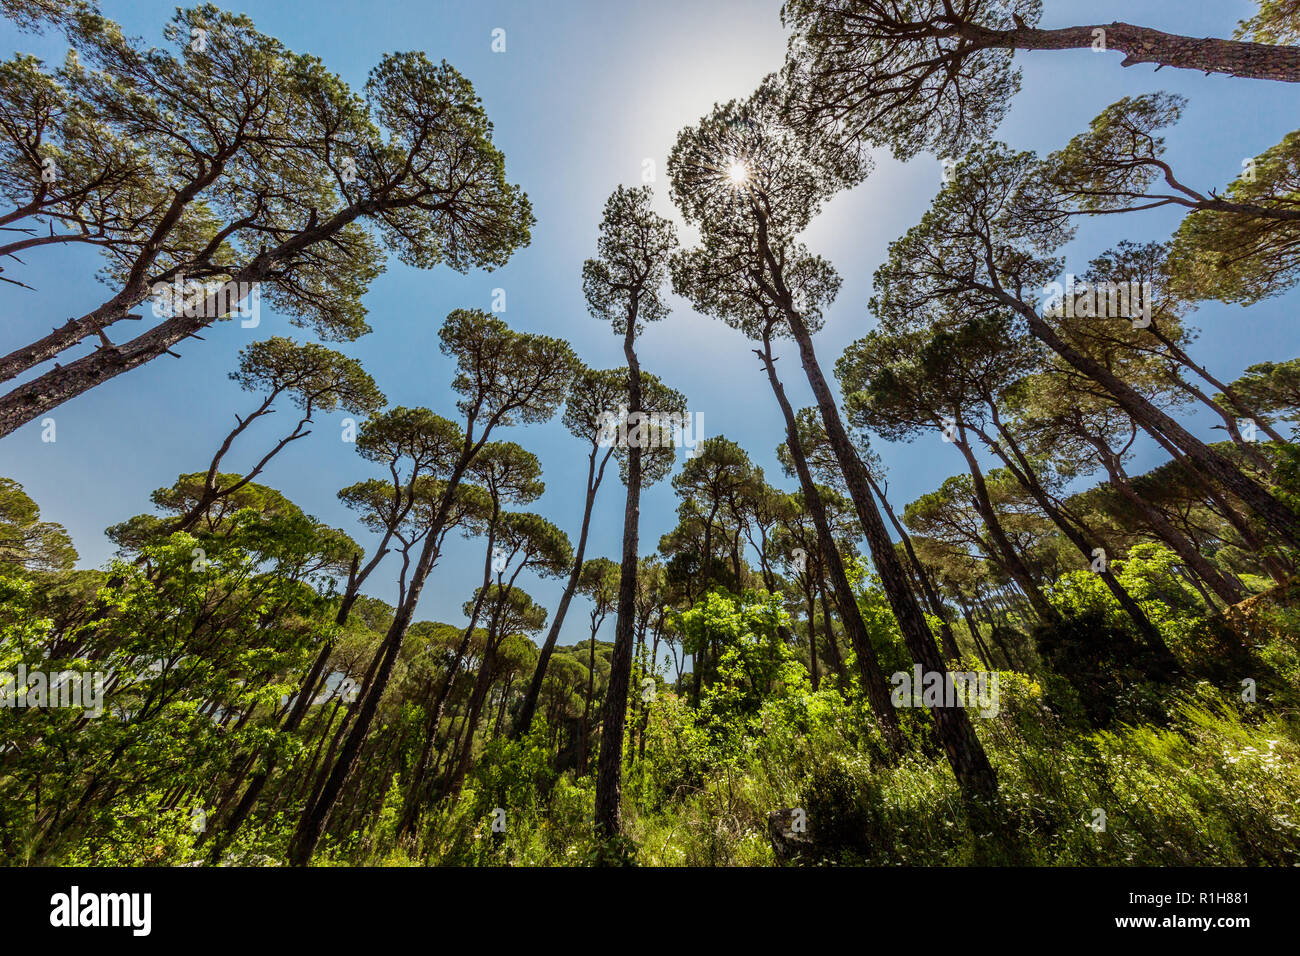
(737, 173)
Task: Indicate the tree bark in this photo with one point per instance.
(1260, 61)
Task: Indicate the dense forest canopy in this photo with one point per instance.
(1078, 644)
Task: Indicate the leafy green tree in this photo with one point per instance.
(588, 414)
(937, 75)
(1270, 388)
(756, 664)
(509, 474)
(315, 378)
(1245, 259)
(1115, 164)
(234, 164)
(751, 185)
(623, 286)
(984, 247)
(25, 540)
(528, 541)
(504, 378)
(1278, 21)
(185, 640)
(712, 478)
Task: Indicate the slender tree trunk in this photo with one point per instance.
(307, 691)
(482, 684)
(419, 784)
(584, 745)
(832, 648)
(874, 683)
(812, 634)
(1011, 560)
(928, 589)
(964, 752)
(1226, 390)
(1224, 508)
(974, 630)
(313, 821)
(525, 719)
(609, 765)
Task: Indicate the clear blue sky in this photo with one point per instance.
(583, 94)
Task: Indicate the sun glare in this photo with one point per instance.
(737, 172)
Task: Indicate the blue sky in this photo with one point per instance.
(583, 94)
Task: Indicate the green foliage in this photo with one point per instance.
(756, 665)
(1149, 573)
(25, 540)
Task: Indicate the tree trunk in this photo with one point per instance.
(524, 721)
(1260, 61)
(418, 786)
(964, 752)
(931, 595)
(1011, 560)
(872, 675)
(832, 648)
(312, 824)
(1203, 458)
(812, 635)
(609, 765)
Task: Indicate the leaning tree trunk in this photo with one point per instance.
(946, 636)
(965, 754)
(812, 633)
(524, 722)
(1011, 560)
(312, 824)
(832, 647)
(31, 399)
(1259, 61)
(478, 696)
(869, 669)
(1284, 522)
(1227, 391)
(356, 578)
(419, 786)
